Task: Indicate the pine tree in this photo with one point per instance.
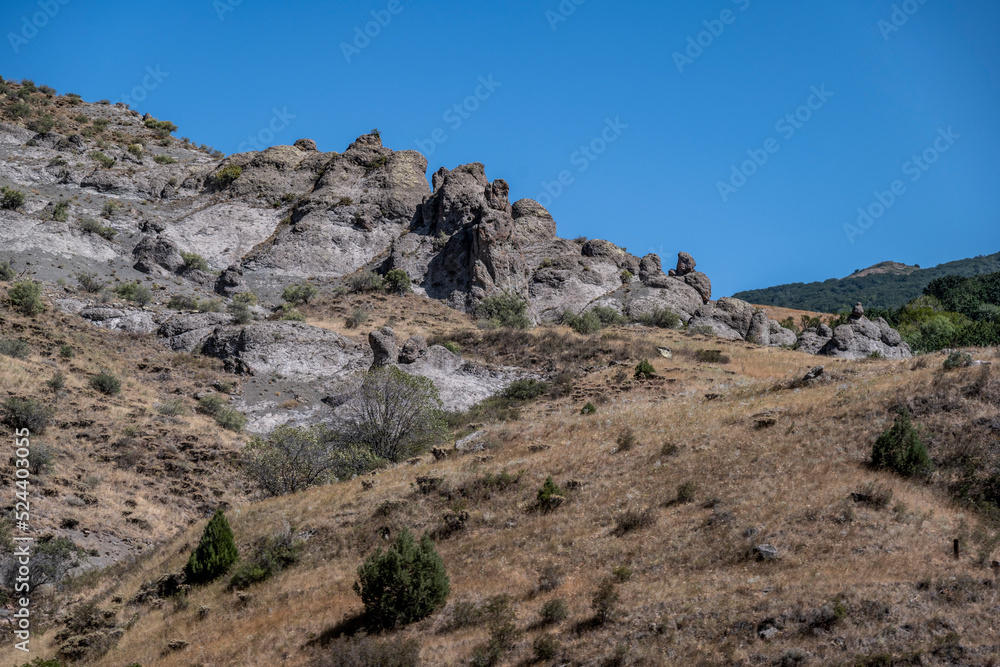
(901, 449)
(215, 554)
(404, 584)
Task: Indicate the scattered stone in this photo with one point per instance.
(814, 374)
(475, 442)
(177, 645)
(665, 352)
(765, 552)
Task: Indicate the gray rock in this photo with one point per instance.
(384, 347)
(414, 348)
(861, 338)
(814, 374)
(811, 341)
(187, 331)
(306, 145)
(157, 255)
(780, 336)
(130, 321)
(760, 329)
(700, 282)
(231, 281)
(765, 552)
(858, 312)
(728, 318)
(685, 264)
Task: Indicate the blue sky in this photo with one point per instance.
(594, 92)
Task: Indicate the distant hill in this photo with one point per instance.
(884, 285)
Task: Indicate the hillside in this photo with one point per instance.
(885, 285)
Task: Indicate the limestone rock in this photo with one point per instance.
(414, 348)
(156, 255)
(384, 346)
(231, 281)
(700, 282)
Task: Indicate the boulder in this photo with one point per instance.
(685, 264)
(384, 346)
(231, 281)
(780, 336)
(186, 332)
(414, 348)
(157, 255)
(760, 329)
(728, 318)
(306, 145)
(859, 338)
(701, 284)
(130, 321)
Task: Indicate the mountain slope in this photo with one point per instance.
(885, 285)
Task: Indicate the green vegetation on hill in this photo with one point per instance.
(878, 290)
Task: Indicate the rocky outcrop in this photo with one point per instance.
(187, 332)
(158, 256)
(384, 347)
(414, 349)
(231, 281)
(859, 338)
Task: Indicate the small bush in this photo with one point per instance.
(211, 404)
(404, 584)
(545, 647)
(110, 207)
(957, 360)
(874, 495)
(299, 294)
(60, 212)
(173, 408)
(366, 281)
(91, 226)
(26, 413)
(901, 449)
(548, 493)
(644, 370)
(525, 390)
(711, 357)
(194, 262)
(89, 282)
(452, 347)
(686, 491)
(240, 311)
(552, 612)
(40, 458)
(209, 306)
(66, 351)
(588, 409)
(663, 318)
(164, 159)
(585, 324)
(215, 554)
(106, 383)
(270, 556)
(135, 149)
(19, 110)
(102, 159)
(26, 298)
(182, 302)
(398, 281)
(504, 310)
(135, 292)
(631, 520)
(57, 381)
(231, 419)
(358, 317)
(604, 603)
(11, 199)
(626, 440)
(225, 176)
(7, 272)
(290, 314)
(161, 125)
(12, 347)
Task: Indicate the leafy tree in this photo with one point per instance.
(298, 294)
(26, 298)
(404, 584)
(215, 553)
(504, 310)
(398, 281)
(393, 414)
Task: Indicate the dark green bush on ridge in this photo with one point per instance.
(901, 449)
(504, 310)
(26, 298)
(215, 554)
(404, 584)
(398, 281)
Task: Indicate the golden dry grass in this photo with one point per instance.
(694, 598)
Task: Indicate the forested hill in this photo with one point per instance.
(890, 289)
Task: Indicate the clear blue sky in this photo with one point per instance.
(655, 187)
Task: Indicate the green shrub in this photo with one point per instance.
(225, 176)
(40, 458)
(215, 554)
(686, 491)
(367, 281)
(89, 282)
(91, 226)
(499, 616)
(240, 311)
(194, 262)
(525, 390)
(626, 277)
(231, 419)
(211, 404)
(270, 556)
(66, 351)
(644, 370)
(546, 493)
(43, 124)
(164, 159)
(161, 125)
(358, 317)
(182, 302)
(626, 440)
(135, 292)
(604, 603)
(957, 360)
(711, 357)
(299, 294)
(7, 272)
(60, 212)
(631, 520)
(26, 298)
(111, 207)
(588, 409)
(209, 306)
(12, 347)
(901, 449)
(398, 281)
(26, 413)
(452, 347)
(106, 383)
(57, 381)
(102, 159)
(504, 310)
(172, 408)
(663, 318)
(545, 647)
(19, 110)
(552, 612)
(404, 584)
(585, 324)
(290, 314)
(135, 149)
(11, 199)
